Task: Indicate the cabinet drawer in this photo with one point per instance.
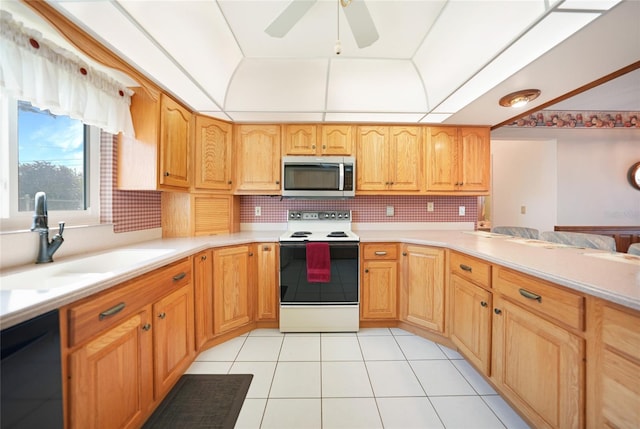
(471, 269)
(96, 313)
(551, 300)
(380, 251)
(620, 331)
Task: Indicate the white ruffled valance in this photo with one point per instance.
(51, 78)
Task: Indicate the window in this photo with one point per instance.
(45, 152)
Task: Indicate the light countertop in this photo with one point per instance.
(598, 273)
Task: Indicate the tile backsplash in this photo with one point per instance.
(366, 209)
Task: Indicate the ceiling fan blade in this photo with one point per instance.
(289, 17)
(362, 25)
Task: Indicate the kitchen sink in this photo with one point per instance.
(79, 271)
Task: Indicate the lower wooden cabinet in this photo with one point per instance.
(470, 321)
(379, 281)
(111, 377)
(203, 294)
(423, 287)
(267, 285)
(538, 366)
(231, 293)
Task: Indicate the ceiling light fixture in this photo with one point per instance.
(519, 98)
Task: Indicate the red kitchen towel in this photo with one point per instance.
(318, 262)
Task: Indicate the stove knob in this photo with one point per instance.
(339, 215)
(298, 215)
(346, 215)
(333, 215)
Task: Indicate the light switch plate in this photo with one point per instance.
(257, 211)
(390, 211)
(461, 210)
(430, 206)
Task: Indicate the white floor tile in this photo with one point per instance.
(295, 348)
(262, 376)
(393, 378)
(441, 378)
(338, 334)
(415, 348)
(350, 413)
(373, 331)
(478, 382)
(464, 412)
(408, 413)
(345, 380)
(292, 414)
(340, 348)
(260, 349)
(227, 351)
(209, 368)
(399, 331)
(509, 418)
(380, 348)
(266, 333)
(450, 353)
(251, 414)
(296, 380)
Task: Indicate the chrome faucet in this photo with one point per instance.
(40, 225)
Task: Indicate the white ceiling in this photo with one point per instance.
(435, 59)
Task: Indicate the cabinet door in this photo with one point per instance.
(405, 159)
(337, 140)
(267, 281)
(257, 158)
(174, 144)
(111, 377)
(539, 366)
(203, 296)
(174, 337)
(423, 287)
(442, 163)
(231, 288)
(474, 162)
(212, 154)
(470, 320)
(373, 159)
(299, 139)
(379, 290)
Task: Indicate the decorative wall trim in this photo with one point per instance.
(578, 119)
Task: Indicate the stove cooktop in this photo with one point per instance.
(324, 225)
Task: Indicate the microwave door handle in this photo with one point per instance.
(341, 166)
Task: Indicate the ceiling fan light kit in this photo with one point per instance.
(519, 98)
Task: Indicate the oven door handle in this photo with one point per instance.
(341, 168)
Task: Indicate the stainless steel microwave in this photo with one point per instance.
(318, 176)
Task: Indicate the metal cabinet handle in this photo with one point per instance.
(404, 253)
(267, 248)
(313, 146)
(324, 146)
(530, 295)
(497, 311)
(464, 267)
(112, 311)
(366, 270)
(203, 257)
(483, 303)
(166, 174)
(230, 182)
(146, 327)
(277, 182)
(162, 315)
(380, 253)
(179, 276)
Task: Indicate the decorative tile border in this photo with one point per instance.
(579, 119)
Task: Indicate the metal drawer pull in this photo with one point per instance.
(162, 315)
(483, 303)
(530, 295)
(179, 276)
(464, 267)
(381, 253)
(112, 311)
(497, 311)
(203, 257)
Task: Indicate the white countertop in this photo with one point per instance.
(594, 272)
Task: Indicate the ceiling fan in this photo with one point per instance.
(362, 25)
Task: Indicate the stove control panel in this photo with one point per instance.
(320, 215)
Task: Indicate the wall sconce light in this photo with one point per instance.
(519, 98)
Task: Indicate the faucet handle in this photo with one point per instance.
(60, 228)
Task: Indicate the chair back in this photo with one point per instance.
(634, 249)
(517, 231)
(580, 239)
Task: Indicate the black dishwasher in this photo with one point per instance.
(31, 374)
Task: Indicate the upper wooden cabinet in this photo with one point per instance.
(389, 159)
(309, 139)
(158, 158)
(458, 159)
(257, 167)
(213, 157)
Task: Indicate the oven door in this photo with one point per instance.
(341, 289)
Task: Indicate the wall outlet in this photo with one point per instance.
(430, 206)
(257, 211)
(390, 211)
(461, 210)
(523, 209)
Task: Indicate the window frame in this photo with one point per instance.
(13, 220)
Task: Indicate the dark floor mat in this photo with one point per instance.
(202, 401)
